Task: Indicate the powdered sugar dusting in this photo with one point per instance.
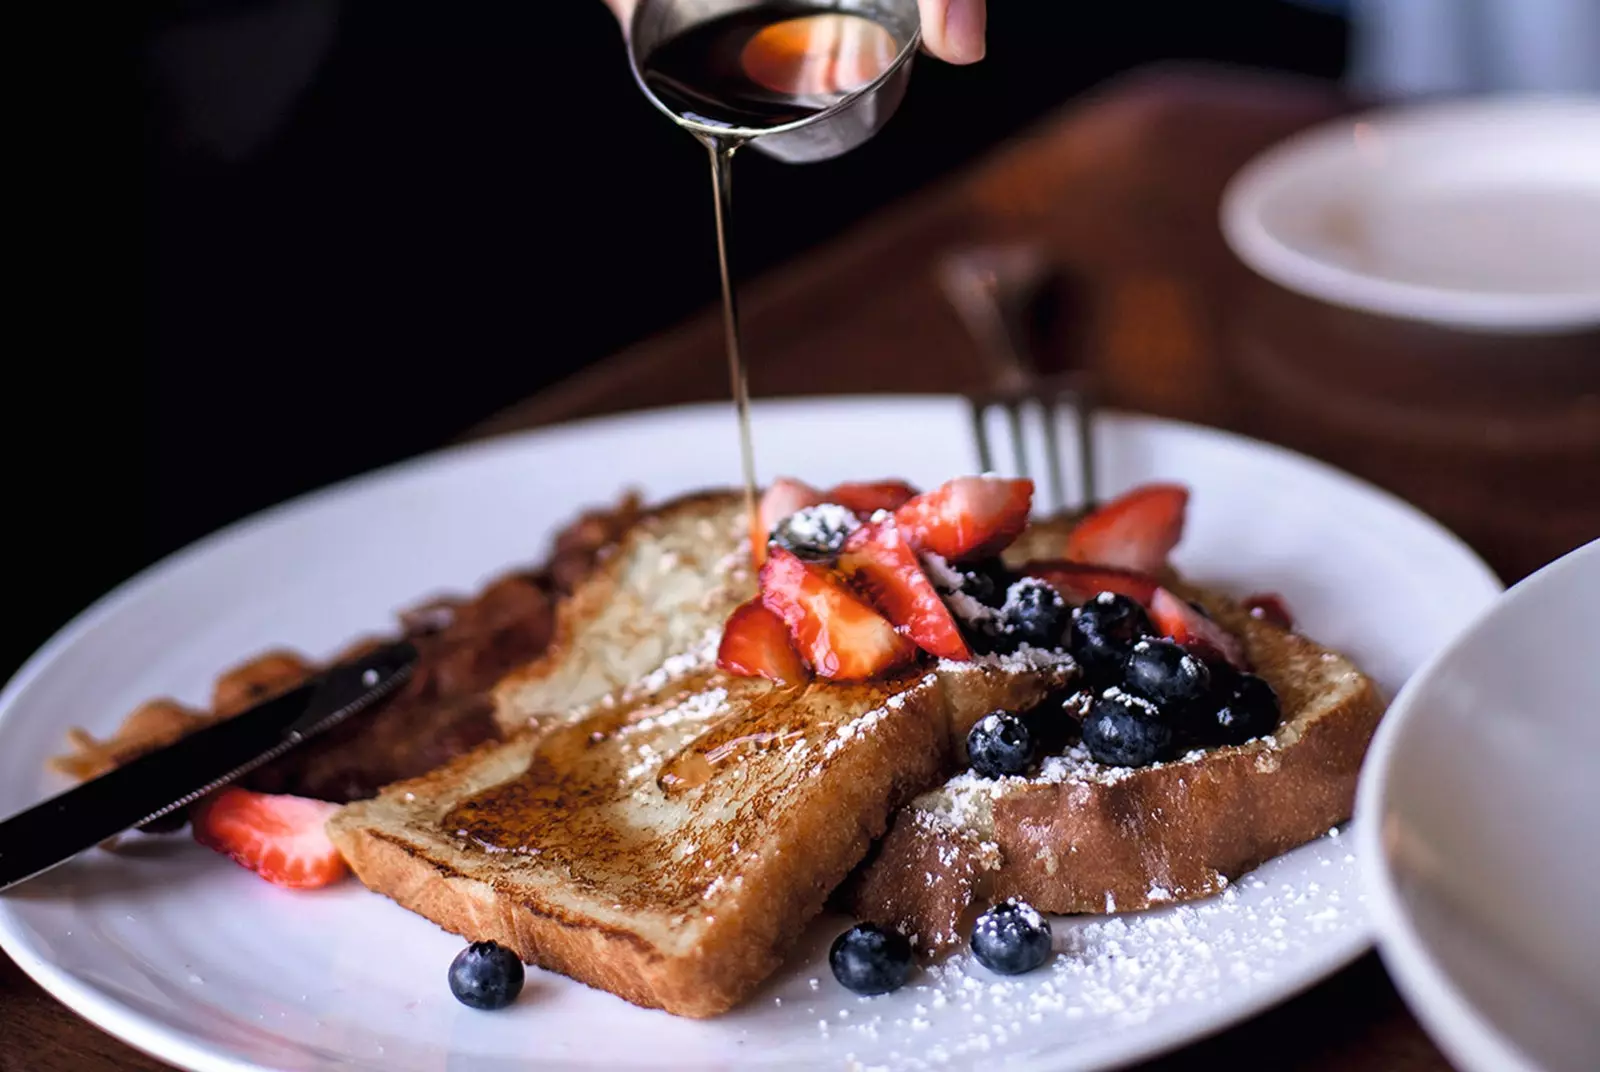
(1109, 975)
(700, 657)
(1025, 660)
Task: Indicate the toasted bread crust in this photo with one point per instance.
(1129, 840)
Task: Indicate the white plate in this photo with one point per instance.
(1480, 214)
(199, 962)
(1478, 806)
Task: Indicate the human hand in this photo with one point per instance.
(952, 30)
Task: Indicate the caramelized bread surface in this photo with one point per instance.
(670, 843)
(1082, 837)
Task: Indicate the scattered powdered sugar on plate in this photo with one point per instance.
(1110, 974)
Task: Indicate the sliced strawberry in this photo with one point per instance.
(968, 517)
(1136, 531)
(1182, 623)
(867, 499)
(1079, 582)
(783, 498)
(879, 561)
(838, 634)
(1270, 608)
(279, 837)
(755, 643)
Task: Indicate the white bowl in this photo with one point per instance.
(1477, 826)
(1475, 214)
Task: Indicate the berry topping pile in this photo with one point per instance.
(848, 588)
(864, 579)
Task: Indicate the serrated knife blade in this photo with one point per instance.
(160, 782)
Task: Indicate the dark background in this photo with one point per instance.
(290, 240)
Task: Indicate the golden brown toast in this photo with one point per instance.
(670, 844)
(1082, 837)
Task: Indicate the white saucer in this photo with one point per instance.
(1476, 214)
(191, 958)
(1478, 810)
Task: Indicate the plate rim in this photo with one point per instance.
(158, 1040)
(1257, 245)
(1451, 1018)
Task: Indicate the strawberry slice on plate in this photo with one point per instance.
(1079, 582)
(1179, 621)
(755, 643)
(784, 497)
(279, 837)
(1271, 608)
(878, 560)
(1136, 531)
(835, 631)
(968, 517)
(864, 500)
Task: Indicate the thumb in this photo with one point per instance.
(622, 9)
(953, 30)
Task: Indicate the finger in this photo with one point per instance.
(953, 30)
(622, 9)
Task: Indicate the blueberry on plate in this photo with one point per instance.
(1123, 730)
(816, 533)
(1033, 614)
(1011, 938)
(1166, 674)
(869, 959)
(1104, 631)
(999, 744)
(486, 975)
(1247, 710)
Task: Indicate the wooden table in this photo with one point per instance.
(1499, 439)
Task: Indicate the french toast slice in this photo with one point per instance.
(1080, 837)
(662, 591)
(669, 843)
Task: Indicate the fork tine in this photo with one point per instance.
(1048, 415)
(1080, 395)
(977, 408)
(1019, 445)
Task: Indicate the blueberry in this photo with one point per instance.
(1033, 614)
(1000, 743)
(871, 960)
(486, 975)
(1168, 676)
(1123, 730)
(816, 533)
(1104, 631)
(1011, 938)
(1246, 710)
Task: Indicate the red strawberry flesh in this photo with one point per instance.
(878, 560)
(1179, 621)
(968, 517)
(1270, 607)
(755, 643)
(279, 837)
(1136, 531)
(1079, 582)
(864, 500)
(835, 631)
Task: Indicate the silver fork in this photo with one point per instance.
(992, 288)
